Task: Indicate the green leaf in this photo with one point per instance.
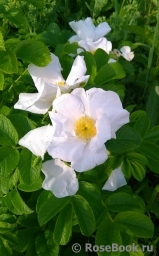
(49, 38)
(15, 203)
(138, 223)
(98, 5)
(105, 74)
(153, 165)
(8, 134)
(63, 226)
(45, 244)
(91, 65)
(29, 167)
(143, 32)
(150, 150)
(3, 249)
(84, 215)
(128, 67)
(9, 158)
(127, 168)
(6, 226)
(152, 106)
(153, 134)
(4, 110)
(34, 52)
(8, 62)
(50, 208)
(135, 115)
(90, 193)
(31, 187)
(127, 139)
(36, 3)
(44, 196)
(26, 237)
(112, 163)
(71, 48)
(66, 63)
(118, 69)
(2, 47)
(142, 125)
(136, 157)
(22, 124)
(16, 16)
(108, 234)
(138, 170)
(101, 58)
(14, 179)
(9, 237)
(31, 251)
(4, 185)
(109, 72)
(134, 164)
(139, 253)
(120, 202)
(1, 81)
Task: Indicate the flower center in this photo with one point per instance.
(85, 128)
(93, 52)
(61, 83)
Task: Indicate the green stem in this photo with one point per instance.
(116, 6)
(152, 199)
(18, 78)
(141, 188)
(107, 212)
(151, 52)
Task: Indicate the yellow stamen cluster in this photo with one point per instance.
(60, 83)
(85, 128)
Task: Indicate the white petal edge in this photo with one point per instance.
(84, 28)
(115, 181)
(49, 74)
(36, 140)
(92, 46)
(59, 178)
(38, 103)
(101, 30)
(78, 70)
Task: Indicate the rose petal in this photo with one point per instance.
(115, 181)
(84, 28)
(36, 140)
(59, 178)
(69, 106)
(101, 30)
(67, 149)
(38, 103)
(50, 74)
(78, 70)
(90, 159)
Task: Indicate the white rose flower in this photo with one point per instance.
(126, 53)
(115, 181)
(90, 37)
(83, 121)
(59, 178)
(47, 81)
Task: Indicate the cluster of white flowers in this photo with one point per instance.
(82, 121)
(91, 38)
